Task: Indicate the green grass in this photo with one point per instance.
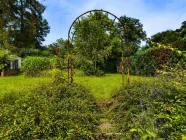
(20, 84)
(101, 87)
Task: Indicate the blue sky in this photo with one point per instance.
(155, 15)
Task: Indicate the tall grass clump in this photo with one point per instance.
(32, 66)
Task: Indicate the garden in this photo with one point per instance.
(99, 84)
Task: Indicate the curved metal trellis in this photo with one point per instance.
(70, 39)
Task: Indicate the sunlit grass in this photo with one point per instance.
(20, 84)
(103, 87)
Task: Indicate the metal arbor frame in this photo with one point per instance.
(70, 39)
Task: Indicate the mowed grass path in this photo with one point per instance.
(101, 87)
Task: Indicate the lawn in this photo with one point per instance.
(101, 87)
(20, 84)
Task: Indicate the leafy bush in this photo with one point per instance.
(89, 69)
(34, 52)
(59, 111)
(151, 110)
(147, 62)
(52, 73)
(5, 58)
(33, 66)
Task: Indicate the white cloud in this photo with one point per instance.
(61, 13)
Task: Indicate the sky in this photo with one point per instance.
(155, 15)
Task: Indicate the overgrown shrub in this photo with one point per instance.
(151, 110)
(89, 69)
(147, 62)
(33, 66)
(34, 52)
(52, 111)
(5, 58)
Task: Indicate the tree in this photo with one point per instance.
(183, 29)
(132, 33)
(60, 44)
(174, 38)
(169, 37)
(183, 35)
(92, 41)
(23, 22)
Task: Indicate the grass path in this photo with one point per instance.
(103, 87)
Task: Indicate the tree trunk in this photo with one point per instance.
(22, 13)
(22, 23)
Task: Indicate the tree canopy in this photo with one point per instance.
(133, 34)
(174, 38)
(23, 22)
(97, 40)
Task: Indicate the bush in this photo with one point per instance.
(34, 52)
(148, 61)
(89, 69)
(33, 66)
(5, 58)
(59, 111)
(151, 110)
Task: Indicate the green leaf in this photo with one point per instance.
(144, 136)
(179, 52)
(151, 134)
(133, 130)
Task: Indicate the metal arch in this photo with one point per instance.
(70, 63)
(90, 13)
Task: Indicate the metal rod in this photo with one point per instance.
(70, 64)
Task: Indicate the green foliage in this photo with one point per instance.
(151, 110)
(89, 69)
(5, 58)
(132, 34)
(5, 44)
(110, 65)
(146, 62)
(34, 52)
(133, 30)
(92, 42)
(22, 20)
(173, 38)
(168, 37)
(32, 66)
(97, 41)
(59, 47)
(149, 61)
(53, 111)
